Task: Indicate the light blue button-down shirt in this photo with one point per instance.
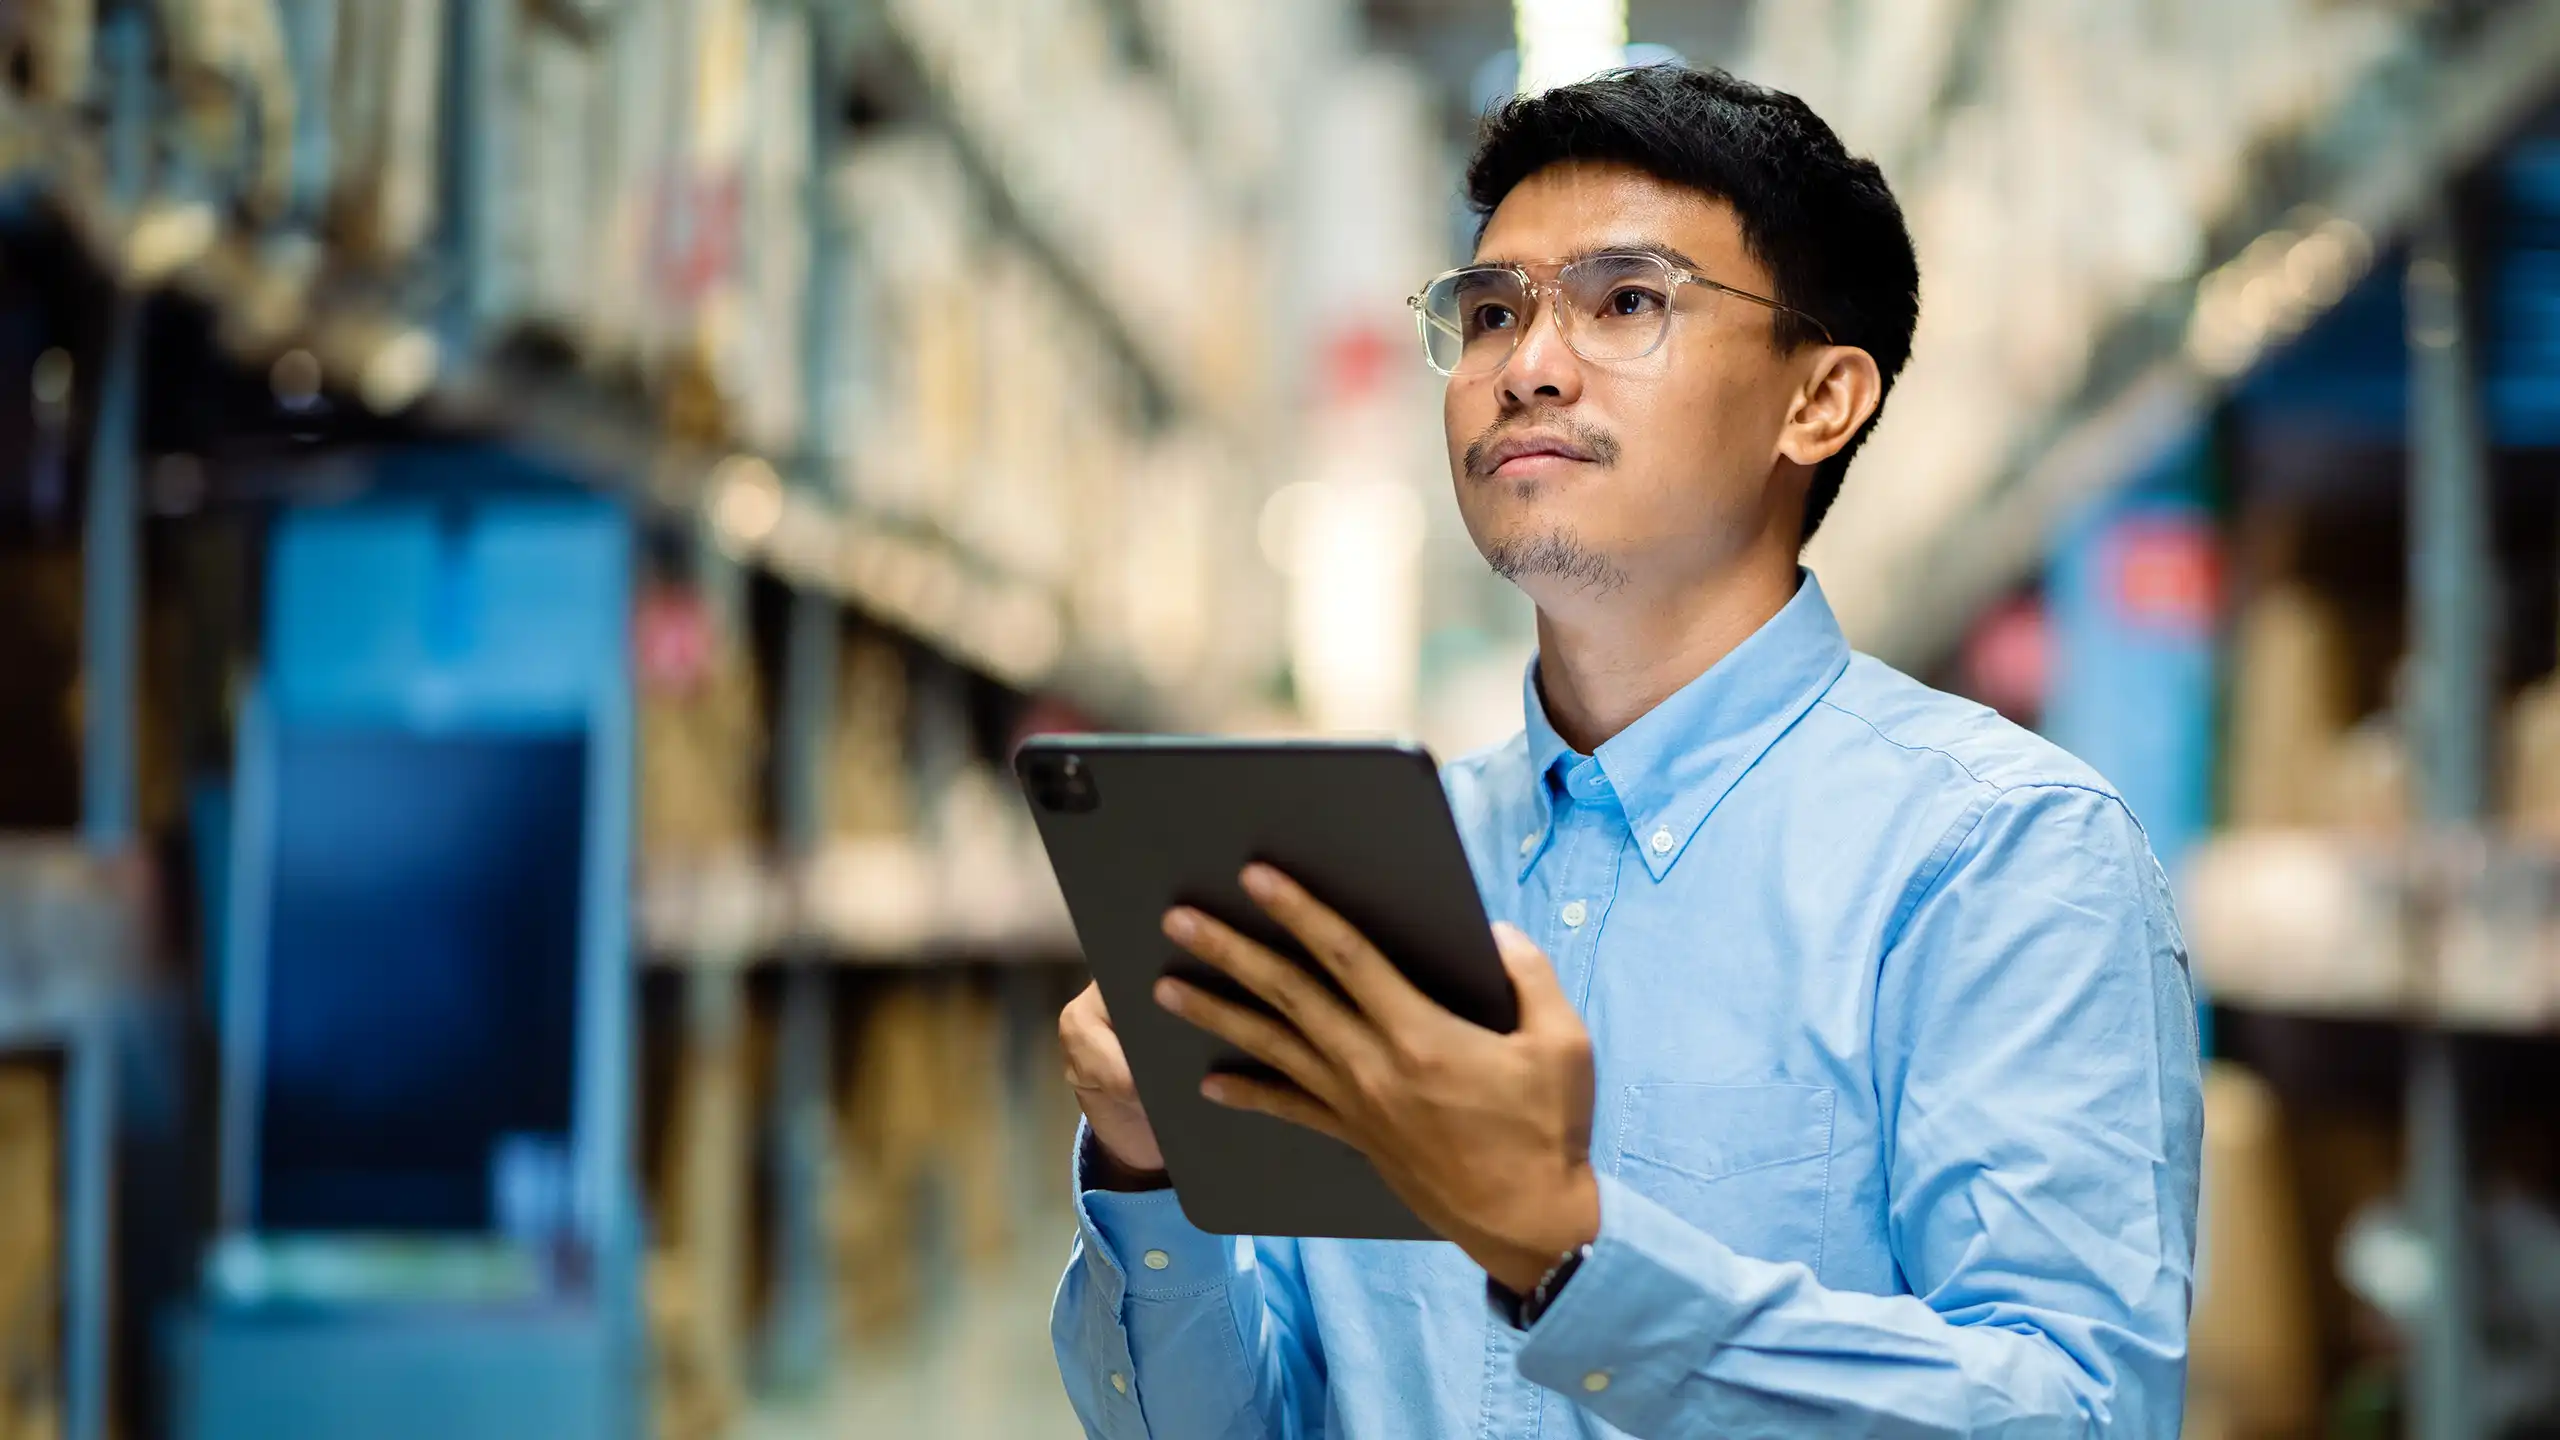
(1897, 1120)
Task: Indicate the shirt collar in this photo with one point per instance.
(1671, 767)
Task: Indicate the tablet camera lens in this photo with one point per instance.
(1062, 784)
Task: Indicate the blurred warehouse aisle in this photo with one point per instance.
(530, 531)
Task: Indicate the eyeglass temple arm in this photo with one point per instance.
(1694, 278)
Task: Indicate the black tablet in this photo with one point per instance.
(1136, 824)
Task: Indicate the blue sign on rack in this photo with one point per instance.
(426, 990)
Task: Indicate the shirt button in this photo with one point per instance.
(1529, 843)
(1574, 913)
(1120, 1382)
(1156, 1259)
(1662, 841)
(1595, 1382)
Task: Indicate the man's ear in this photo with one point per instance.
(1840, 392)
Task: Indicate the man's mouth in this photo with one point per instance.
(1529, 453)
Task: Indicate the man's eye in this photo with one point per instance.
(1490, 317)
(1631, 300)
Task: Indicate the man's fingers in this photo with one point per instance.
(1533, 977)
(1256, 1034)
(1295, 1106)
(1078, 1042)
(1374, 984)
(1334, 1027)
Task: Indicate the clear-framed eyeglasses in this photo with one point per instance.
(1610, 307)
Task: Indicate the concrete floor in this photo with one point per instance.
(975, 1363)
(979, 1368)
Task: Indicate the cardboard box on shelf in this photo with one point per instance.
(752, 160)
(2533, 760)
(996, 886)
(868, 892)
(384, 109)
(2365, 785)
(1015, 513)
(701, 731)
(921, 1113)
(49, 42)
(909, 409)
(2253, 1369)
(696, 1281)
(2297, 919)
(30, 1241)
(223, 59)
(2288, 707)
(688, 1399)
(867, 765)
(638, 82)
(705, 890)
(558, 185)
(1167, 620)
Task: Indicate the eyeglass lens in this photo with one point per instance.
(1615, 307)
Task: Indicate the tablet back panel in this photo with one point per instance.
(1151, 822)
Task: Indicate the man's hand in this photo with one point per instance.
(1098, 1071)
(1486, 1136)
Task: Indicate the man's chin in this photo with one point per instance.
(1553, 561)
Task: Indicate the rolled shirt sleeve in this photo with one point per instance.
(2036, 1052)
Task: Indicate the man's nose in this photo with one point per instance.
(1542, 369)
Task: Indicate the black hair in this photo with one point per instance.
(1822, 220)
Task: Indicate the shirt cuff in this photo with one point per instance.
(1145, 1247)
(1648, 1302)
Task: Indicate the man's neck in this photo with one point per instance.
(1601, 668)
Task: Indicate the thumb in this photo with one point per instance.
(1533, 976)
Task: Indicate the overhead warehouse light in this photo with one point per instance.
(746, 502)
(167, 236)
(400, 371)
(1562, 41)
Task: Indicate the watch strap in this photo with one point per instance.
(1551, 1285)
(1523, 1310)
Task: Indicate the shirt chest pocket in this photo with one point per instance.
(1748, 1164)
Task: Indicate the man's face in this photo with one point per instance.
(1675, 469)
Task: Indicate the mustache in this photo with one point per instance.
(1602, 445)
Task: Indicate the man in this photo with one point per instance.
(1856, 1090)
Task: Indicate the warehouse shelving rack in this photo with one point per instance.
(2359, 232)
(2413, 363)
(104, 172)
(66, 934)
(2361, 178)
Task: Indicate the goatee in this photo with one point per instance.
(1557, 553)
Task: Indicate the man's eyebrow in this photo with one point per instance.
(1654, 248)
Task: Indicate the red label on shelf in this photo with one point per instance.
(2165, 573)
(1355, 361)
(672, 639)
(2008, 658)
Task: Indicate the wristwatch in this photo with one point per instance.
(1523, 1310)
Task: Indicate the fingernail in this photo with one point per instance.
(1213, 1088)
(1260, 880)
(1169, 994)
(1181, 924)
